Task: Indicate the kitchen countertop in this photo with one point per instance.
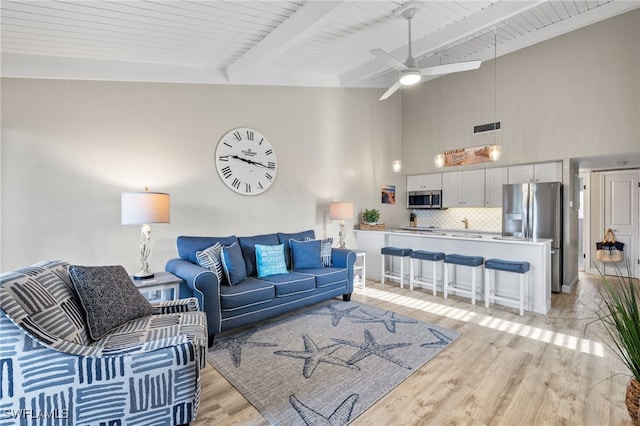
(462, 234)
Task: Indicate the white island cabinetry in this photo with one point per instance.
(537, 253)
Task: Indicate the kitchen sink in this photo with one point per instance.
(509, 238)
(466, 235)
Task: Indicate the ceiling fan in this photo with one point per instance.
(409, 72)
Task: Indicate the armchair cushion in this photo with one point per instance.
(108, 296)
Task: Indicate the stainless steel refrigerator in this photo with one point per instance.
(534, 210)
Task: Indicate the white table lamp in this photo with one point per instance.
(142, 208)
(341, 211)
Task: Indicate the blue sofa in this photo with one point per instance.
(255, 299)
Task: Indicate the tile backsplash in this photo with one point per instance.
(482, 219)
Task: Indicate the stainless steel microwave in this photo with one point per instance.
(424, 199)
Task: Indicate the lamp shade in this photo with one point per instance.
(144, 207)
(340, 210)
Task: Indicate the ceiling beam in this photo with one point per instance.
(478, 22)
(297, 27)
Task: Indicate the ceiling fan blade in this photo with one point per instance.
(451, 68)
(390, 91)
(388, 59)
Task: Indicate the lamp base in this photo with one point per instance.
(143, 275)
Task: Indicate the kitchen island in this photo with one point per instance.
(489, 245)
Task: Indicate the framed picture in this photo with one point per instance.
(388, 194)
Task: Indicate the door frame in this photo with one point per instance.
(586, 220)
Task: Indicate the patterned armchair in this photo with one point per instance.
(145, 372)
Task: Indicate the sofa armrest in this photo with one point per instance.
(173, 306)
(344, 258)
(204, 286)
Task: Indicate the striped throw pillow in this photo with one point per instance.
(210, 258)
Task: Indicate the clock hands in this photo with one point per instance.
(246, 160)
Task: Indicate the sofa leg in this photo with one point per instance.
(211, 340)
(346, 297)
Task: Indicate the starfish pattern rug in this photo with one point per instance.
(328, 365)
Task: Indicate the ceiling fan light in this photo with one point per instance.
(410, 78)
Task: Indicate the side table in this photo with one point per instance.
(161, 287)
(360, 268)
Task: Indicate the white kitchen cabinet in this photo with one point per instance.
(463, 189)
(432, 181)
(543, 172)
(494, 179)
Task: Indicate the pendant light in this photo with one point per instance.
(439, 157)
(495, 150)
(396, 165)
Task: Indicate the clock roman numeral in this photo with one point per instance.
(230, 146)
(226, 171)
(249, 135)
(236, 183)
(260, 185)
(268, 152)
(261, 140)
(224, 158)
(271, 165)
(237, 135)
(247, 187)
(268, 176)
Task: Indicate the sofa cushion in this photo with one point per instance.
(300, 236)
(326, 276)
(42, 300)
(325, 250)
(211, 258)
(108, 296)
(233, 263)
(248, 245)
(249, 292)
(291, 283)
(189, 246)
(305, 254)
(270, 260)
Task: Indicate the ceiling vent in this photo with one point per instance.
(487, 127)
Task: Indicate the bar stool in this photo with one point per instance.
(493, 265)
(475, 262)
(402, 253)
(436, 259)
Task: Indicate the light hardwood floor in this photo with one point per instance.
(504, 369)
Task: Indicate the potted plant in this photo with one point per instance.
(371, 216)
(620, 316)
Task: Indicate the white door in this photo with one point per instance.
(621, 215)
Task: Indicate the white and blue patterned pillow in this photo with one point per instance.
(270, 260)
(325, 250)
(211, 258)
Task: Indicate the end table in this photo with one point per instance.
(161, 287)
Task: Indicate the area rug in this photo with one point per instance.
(326, 365)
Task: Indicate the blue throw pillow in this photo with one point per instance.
(233, 264)
(270, 260)
(306, 254)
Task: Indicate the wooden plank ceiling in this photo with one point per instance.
(317, 43)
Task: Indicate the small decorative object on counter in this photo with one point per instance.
(412, 220)
(370, 218)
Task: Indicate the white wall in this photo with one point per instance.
(576, 95)
(69, 148)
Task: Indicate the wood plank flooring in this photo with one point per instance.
(504, 369)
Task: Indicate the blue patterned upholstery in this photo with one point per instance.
(146, 371)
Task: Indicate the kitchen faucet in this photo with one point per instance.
(466, 223)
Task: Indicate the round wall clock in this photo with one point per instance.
(246, 161)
